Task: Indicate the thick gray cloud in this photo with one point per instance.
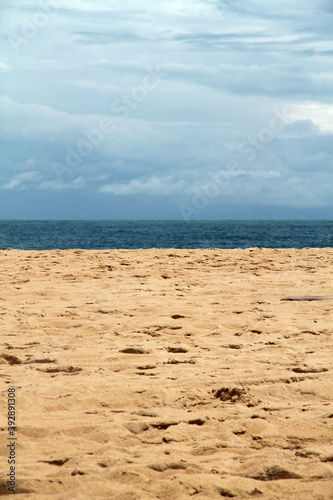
(192, 105)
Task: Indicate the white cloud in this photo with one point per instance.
(78, 183)
(14, 184)
(20, 181)
(4, 66)
(153, 185)
(320, 114)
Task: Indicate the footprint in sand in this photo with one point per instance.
(308, 297)
(134, 350)
(164, 467)
(12, 360)
(178, 362)
(225, 493)
(58, 462)
(274, 473)
(232, 394)
(236, 395)
(61, 369)
(137, 427)
(42, 360)
(197, 421)
(163, 425)
(177, 349)
(307, 369)
(146, 367)
(76, 472)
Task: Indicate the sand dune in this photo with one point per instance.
(168, 374)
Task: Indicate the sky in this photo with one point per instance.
(176, 109)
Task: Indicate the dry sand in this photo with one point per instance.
(168, 374)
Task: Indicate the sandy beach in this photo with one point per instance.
(168, 374)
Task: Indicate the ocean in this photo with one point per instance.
(98, 235)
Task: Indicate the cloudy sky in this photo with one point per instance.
(169, 109)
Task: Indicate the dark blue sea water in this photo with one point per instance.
(93, 235)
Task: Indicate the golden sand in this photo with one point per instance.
(168, 374)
